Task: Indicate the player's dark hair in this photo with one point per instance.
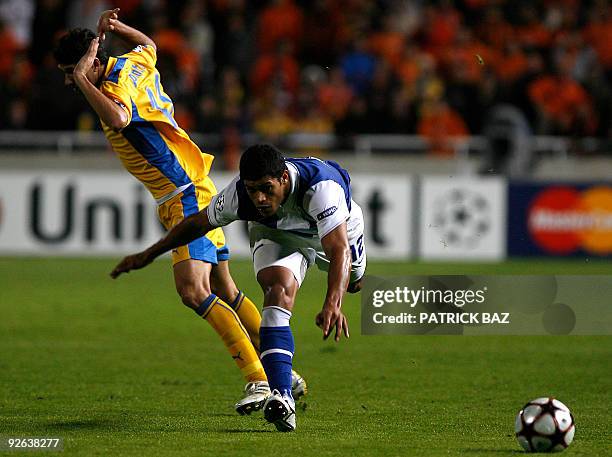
(261, 160)
(74, 44)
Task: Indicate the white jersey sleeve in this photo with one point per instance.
(326, 204)
(223, 207)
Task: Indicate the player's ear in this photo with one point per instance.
(285, 176)
(97, 68)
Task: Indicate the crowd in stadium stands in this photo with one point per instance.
(347, 66)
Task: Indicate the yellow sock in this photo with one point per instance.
(226, 323)
(249, 316)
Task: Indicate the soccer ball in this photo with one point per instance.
(544, 425)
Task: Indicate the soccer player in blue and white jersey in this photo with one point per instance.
(300, 212)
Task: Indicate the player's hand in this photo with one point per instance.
(86, 62)
(131, 262)
(330, 317)
(106, 23)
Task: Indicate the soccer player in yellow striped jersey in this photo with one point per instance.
(137, 117)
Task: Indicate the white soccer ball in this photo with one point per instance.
(544, 425)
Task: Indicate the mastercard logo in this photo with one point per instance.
(562, 220)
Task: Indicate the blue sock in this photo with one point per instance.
(277, 348)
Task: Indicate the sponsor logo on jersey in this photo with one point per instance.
(220, 203)
(326, 213)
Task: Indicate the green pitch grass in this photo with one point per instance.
(122, 368)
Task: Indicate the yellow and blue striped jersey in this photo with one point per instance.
(152, 146)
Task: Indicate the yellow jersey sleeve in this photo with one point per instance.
(115, 89)
(144, 55)
(116, 84)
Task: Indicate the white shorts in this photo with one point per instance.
(273, 247)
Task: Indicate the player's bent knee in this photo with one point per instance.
(192, 296)
(226, 293)
(278, 295)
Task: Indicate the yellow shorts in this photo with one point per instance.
(210, 248)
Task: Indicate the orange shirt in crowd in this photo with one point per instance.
(409, 71)
(127, 6)
(438, 123)
(270, 66)
(599, 35)
(184, 117)
(281, 21)
(172, 42)
(9, 46)
(334, 99)
(511, 66)
(441, 27)
(465, 57)
(534, 35)
(388, 45)
(560, 98)
(412, 65)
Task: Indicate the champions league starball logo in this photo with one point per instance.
(462, 217)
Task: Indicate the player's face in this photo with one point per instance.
(68, 76)
(267, 193)
(68, 70)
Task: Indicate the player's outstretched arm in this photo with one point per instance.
(336, 247)
(183, 233)
(109, 22)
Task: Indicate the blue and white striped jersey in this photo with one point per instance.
(319, 201)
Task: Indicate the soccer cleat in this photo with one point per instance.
(255, 395)
(280, 411)
(298, 385)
